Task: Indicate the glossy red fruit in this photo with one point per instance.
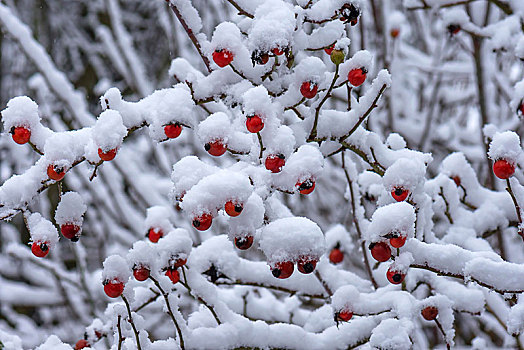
(69, 231)
(306, 265)
(180, 262)
(457, 180)
(521, 109)
(155, 234)
(141, 273)
(429, 313)
(233, 208)
(344, 315)
(380, 251)
(172, 131)
(21, 135)
(222, 57)
(215, 148)
(113, 289)
(336, 256)
(107, 156)
(55, 172)
(254, 124)
(356, 77)
(173, 275)
(453, 29)
(395, 277)
(394, 33)
(274, 163)
(283, 269)
(503, 169)
(203, 222)
(81, 344)
(277, 51)
(308, 89)
(399, 194)
(244, 243)
(397, 242)
(330, 49)
(305, 187)
(40, 249)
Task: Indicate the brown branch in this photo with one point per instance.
(313, 133)
(241, 11)
(137, 336)
(280, 289)
(324, 283)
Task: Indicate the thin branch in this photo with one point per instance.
(137, 336)
(241, 11)
(120, 338)
(324, 283)
(443, 333)
(313, 133)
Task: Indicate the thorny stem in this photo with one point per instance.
(137, 336)
(120, 338)
(443, 333)
(191, 35)
(313, 133)
(169, 311)
(517, 207)
(324, 284)
(357, 224)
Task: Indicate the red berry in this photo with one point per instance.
(277, 51)
(336, 256)
(306, 265)
(172, 131)
(308, 89)
(399, 194)
(141, 273)
(344, 315)
(394, 32)
(55, 173)
(521, 109)
(173, 275)
(40, 249)
(275, 163)
(456, 178)
(81, 344)
(244, 243)
(107, 156)
(180, 262)
(429, 313)
(395, 277)
(215, 148)
(503, 169)
(203, 222)
(155, 234)
(380, 251)
(21, 135)
(233, 208)
(306, 187)
(357, 76)
(114, 288)
(329, 49)
(222, 57)
(283, 269)
(69, 231)
(254, 123)
(397, 242)
(453, 29)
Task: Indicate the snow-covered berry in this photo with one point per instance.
(399, 194)
(222, 57)
(56, 172)
(305, 187)
(180, 262)
(277, 51)
(283, 269)
(394, 32)
(244, 243)
(173, 275)
(394, 276)
(356, 77)
(254, 123)
(141, 273)
(173, 130)
(308, 89)
(154, 234)
(21, 135)
(380, 251)
(40, 249)
(344, 315)
(453, 29)
(306, 265)
(429, 313)
(82, 344)
(397, 242)
(203, 221)
(70, 231)
(233, 208)
(274, 163)
(113, 288)
(503, 169)
(108, 155)
(215, 148)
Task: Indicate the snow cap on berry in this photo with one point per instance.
(281, 142)
(215, 127)
(345, 298)
(288, 239)
(115, 268)
(70, 210)
(226, 36)
(404, 173)
(168, 106)
(339, 235)
(187, 172)
(175, 245)
(109, 130)
(310, 69)
(142, 254)
(454, 16)
(273, 26)
(157, 217)
(505, 145)
(392, 334)
(402, 262)
(307, 163)
(361, 59)
(214, 190)
(250, 220)
(42, 230)
(257, 101)
(217, 251)
(21, 111)
(396, 217)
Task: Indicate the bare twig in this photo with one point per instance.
(137, 336)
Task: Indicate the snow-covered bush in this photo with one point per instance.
(298, 174)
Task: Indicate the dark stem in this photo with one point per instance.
(137, 336)
(313, 133)
(120, 338)
(261, 146)
(443, 333)
(324, 284)
(517, 207)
